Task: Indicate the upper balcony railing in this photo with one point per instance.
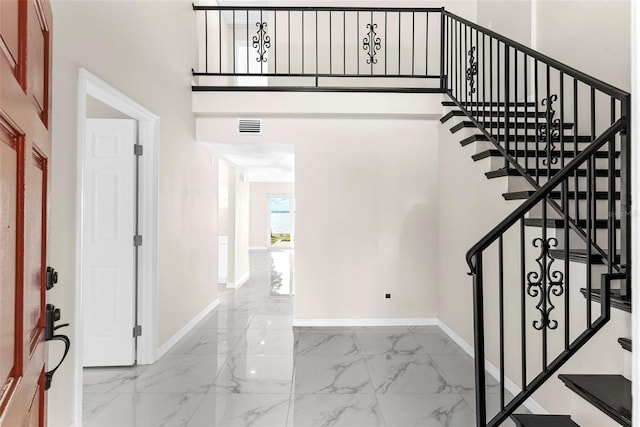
(319, 48)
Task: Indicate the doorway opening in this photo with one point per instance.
(101, 221)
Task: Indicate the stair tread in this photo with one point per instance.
(616, 300)
(530, 420)
(501, 124)
(493, 104)
(450, 114)
(567, 139)
(600, 173)
(625, 343)
(531, 154)
(473, 138)
(609, 393)
(559, 223)
(557, 195)
(578, 255)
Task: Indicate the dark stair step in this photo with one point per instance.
(500, 125)
(488, 114)
(579, 255)
(531, 137)
(487, 104)
(559, 223)
(493, 113)
(609, 393)
(529, 420)
(450, 114)
(473, 138)
(557, 195)
(616, 300)
(625, 343)
(600, 173)
(568, 139)
(531, 154)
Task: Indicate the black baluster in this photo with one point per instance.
(565, 209)
(206, 41)
(501, 313)
(537, 146)
(413, 42)
(507, 89)
(523, 306)
(575, 147)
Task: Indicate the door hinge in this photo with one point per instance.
(137, 149)
(137, 240)
(137, 331)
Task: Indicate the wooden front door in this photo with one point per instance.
(25, 149)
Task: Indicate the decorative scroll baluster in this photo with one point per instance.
(472, 71)
(545, 283)
(371, 43)
(549, 131)
(261, 42)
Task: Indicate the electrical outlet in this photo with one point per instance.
(387, 296)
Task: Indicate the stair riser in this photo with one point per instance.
(518, 183)
(568, 147)
(497, 162)
(576, 243)
(602, 209)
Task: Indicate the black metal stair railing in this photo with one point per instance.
(566, 136)
(319, 48)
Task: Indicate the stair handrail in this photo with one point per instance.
(543, 191)
(585, 78)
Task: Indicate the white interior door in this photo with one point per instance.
(108, 282)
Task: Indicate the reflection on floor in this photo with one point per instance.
(244, 365)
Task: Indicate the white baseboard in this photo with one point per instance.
(530, 404)
(258, 248)
(408, 321)
(239, 282)
(164, 348)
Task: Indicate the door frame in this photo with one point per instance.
(148, 125)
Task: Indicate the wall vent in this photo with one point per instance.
(250, 126)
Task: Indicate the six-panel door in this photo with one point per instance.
(25, 149)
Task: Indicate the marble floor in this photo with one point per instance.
(244, 365)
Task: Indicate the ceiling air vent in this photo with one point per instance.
(250, 126)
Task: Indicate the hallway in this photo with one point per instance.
(244, 365)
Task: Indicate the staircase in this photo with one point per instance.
(609, 393)
(547, 277)
(560, 139)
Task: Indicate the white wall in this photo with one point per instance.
(260, 210)
(365, 197)
(366, 219)
(240, 270)
(119, 42)
(510, 18)
(592, 36)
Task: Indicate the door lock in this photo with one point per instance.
(52, 316)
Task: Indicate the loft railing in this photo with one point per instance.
(566, 135)
(319, 48)
(563, 133)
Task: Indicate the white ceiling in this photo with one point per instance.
(261, 161)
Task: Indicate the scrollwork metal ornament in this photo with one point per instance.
(261, 42)
(545, 283)
(549, 131)
(472, 71)
(371, 43)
